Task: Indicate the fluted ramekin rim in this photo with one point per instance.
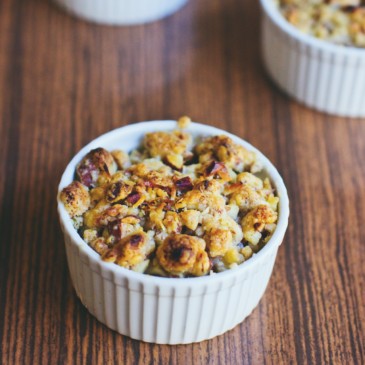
(274, 14)
(94, 257)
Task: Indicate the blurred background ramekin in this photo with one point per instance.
(167, 310)
(324, 76)
(121, 12)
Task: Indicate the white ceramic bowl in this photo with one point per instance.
(121, 12)
(323, 76)
(167, 310)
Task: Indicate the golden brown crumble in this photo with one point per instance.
(338, 21)
(171, 208)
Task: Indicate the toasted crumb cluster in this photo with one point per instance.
(338, 21)
(174, 207)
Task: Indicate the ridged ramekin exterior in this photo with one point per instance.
(164, 310)
(121, 12)
(323, 76)
(166, 315)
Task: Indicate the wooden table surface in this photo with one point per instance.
(63, 82)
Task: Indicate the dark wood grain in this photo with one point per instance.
(64, 81)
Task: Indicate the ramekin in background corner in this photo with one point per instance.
(323, 76)
(121, 12)
(167, 310)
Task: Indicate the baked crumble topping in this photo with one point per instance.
(338, 21)
(175, 207)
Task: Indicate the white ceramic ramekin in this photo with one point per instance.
(166, 310)
(121, 12)
(323, 76)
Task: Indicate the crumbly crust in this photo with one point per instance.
(181, 254)
(75, 198)
(338, 21)
(173, 209)
(97, 165)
